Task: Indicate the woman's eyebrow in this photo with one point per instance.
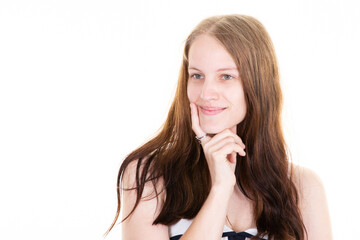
(193, 68)
(219, 70)
(227, 69)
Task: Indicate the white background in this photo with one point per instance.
(85, 82)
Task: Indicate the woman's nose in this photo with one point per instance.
(209, 90)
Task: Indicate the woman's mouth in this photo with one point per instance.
(207, 110)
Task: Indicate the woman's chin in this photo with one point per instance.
(215, 129)
(212, 129)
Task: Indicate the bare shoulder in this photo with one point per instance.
(139, 225)
(312, 202)
(150, 191)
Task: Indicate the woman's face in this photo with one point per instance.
(214, 85)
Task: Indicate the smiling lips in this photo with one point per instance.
(211, 110)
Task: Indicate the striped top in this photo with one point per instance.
(179, 228)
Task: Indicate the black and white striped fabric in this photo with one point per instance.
(178, 229)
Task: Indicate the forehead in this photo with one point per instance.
(206, 52)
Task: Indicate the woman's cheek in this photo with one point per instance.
(192, 93)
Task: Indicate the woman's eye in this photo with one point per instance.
(196, 76)
(227, 77)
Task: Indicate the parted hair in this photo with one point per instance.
(264, 175)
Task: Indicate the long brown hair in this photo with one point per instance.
(263, 174)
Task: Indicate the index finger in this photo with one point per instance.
(196, 122)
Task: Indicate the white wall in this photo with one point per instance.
(82, 83)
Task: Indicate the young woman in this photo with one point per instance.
(219, 168)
